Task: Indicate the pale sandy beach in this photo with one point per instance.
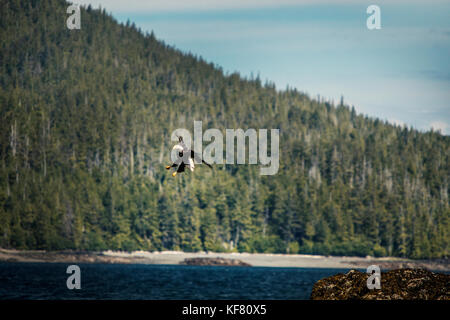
(254, 259)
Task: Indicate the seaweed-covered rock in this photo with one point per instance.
(214, 262)
(407, 284)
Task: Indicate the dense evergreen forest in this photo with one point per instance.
(86, 117)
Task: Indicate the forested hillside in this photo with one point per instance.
(86, 117)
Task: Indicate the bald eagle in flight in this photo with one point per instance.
(186, 157)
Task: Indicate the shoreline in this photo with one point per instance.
(253, 259)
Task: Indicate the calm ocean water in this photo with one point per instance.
(124, 281)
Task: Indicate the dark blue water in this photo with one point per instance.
(122, 281)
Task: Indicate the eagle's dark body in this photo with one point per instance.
(185, 159)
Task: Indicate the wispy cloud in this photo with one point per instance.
(440, 126)
(397, 122)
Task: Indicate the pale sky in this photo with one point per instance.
(400, 73)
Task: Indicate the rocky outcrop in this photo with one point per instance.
(401, 284)
(214, 262)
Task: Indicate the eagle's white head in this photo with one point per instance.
(183, 154)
